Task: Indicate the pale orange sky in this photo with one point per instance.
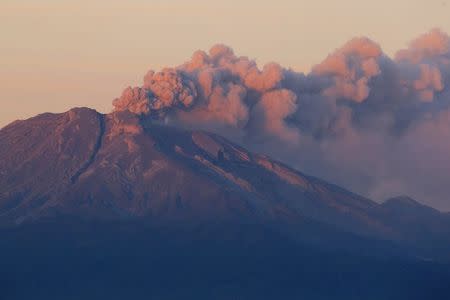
(56, 54)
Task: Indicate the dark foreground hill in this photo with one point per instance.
(99, 206)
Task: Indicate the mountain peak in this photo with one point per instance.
(85, 164)
(406, 204)
(403, 200)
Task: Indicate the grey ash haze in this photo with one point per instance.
(376, 125)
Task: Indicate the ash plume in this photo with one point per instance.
(377, 125)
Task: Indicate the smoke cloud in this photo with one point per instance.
(376, 125)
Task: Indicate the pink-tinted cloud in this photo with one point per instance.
(376, 125)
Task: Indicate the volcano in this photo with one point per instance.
(115, 206)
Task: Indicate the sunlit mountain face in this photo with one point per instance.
(217, 179)
(118, 205)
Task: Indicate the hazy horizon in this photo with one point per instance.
(57, 55)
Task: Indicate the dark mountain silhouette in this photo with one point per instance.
(95, 197)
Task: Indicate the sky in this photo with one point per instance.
(57, 54)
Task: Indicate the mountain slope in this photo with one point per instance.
(116, 167)
(99, 206)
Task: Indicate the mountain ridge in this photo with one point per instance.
(117, 166)
(115, 206)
